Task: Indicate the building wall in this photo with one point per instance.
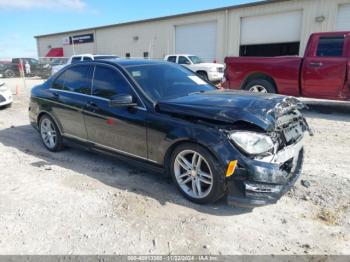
(158, 37)
(311, 9)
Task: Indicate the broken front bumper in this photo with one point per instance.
(259, 183)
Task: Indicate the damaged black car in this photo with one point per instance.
(214, 143)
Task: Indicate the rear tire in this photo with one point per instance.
(9, 73)
(197, 174)
(260, 86)
(50, 134)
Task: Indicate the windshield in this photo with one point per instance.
(195, 59)
(165, 81)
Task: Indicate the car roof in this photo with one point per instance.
(180, 55)
(90, 55)
(133, 62)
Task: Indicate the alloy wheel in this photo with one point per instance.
(193, 174)
(48, 133)
(258, 89)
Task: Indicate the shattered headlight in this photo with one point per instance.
(251, 142)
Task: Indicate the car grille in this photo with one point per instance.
(220, 69)
(2, 99)
(291, 127)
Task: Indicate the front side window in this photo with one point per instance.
(184, 61)
(108, 83)
(330, 46)
(172, 59)
(76, 79)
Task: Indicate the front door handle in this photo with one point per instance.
(316, 64)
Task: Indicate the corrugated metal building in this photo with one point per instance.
(268, 28)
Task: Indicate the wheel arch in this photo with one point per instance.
(42, 113)
(173, 146)
(259, 75)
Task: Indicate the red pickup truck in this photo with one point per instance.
(323, 72)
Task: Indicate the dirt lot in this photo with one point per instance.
(76, 202)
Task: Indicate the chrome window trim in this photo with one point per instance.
(107, 147)
(75, 93)
(58, 103)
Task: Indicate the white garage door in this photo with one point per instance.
(343, 18)
(198, 39)
(275, 28)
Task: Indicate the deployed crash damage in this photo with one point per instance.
(271, 172)
(266, 130)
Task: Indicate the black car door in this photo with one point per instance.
(119, 129)
(71, 91)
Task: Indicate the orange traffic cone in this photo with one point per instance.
(17, 90)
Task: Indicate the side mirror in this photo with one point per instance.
(122, 100)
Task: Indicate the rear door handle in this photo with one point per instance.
(55, 94)
(92, 106)
(316, 64)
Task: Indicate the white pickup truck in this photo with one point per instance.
(212, 72)
(83, 57)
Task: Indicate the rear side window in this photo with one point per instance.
(330, 46)
(76, 79)
(172, 59)
(86, 58)
(108, 83)
(76, 59)
(183, 61)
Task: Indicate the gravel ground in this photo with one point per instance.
(77, 202)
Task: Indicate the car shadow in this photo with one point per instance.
(330, 110)
(108, 170)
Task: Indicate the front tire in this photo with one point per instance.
(260, 86)
(50, 134)
(197, 174)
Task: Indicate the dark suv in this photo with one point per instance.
(11, 69)
(212, 142)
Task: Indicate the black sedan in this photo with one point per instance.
(212, 142)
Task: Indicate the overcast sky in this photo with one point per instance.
(21, 20)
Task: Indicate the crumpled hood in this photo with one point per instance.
(230, 106)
